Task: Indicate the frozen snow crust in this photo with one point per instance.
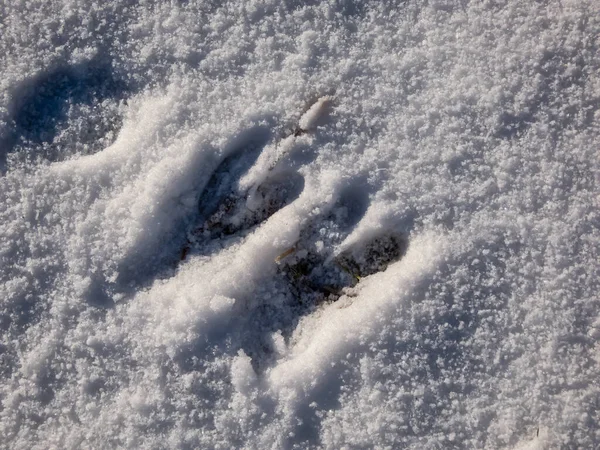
(284, 224)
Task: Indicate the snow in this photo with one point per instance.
(332, 224)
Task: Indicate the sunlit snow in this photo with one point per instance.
(281, 224)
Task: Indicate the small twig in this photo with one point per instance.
(286, 253)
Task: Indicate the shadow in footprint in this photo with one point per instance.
(149, 262)
(310, 268)
(241, 212)
(354, 199)
(305, 283)
(221, 184)
(373, 256)
(228, 212)
(68, 110)
(310, 273)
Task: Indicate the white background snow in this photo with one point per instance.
(471, 128)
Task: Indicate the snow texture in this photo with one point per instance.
(281, 224)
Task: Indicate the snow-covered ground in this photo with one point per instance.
(283, 224)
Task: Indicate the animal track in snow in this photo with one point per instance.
(66, 111)
(308, 274)
(226, 209)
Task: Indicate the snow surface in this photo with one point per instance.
(167, 168)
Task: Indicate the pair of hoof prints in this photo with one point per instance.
(311, 270)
